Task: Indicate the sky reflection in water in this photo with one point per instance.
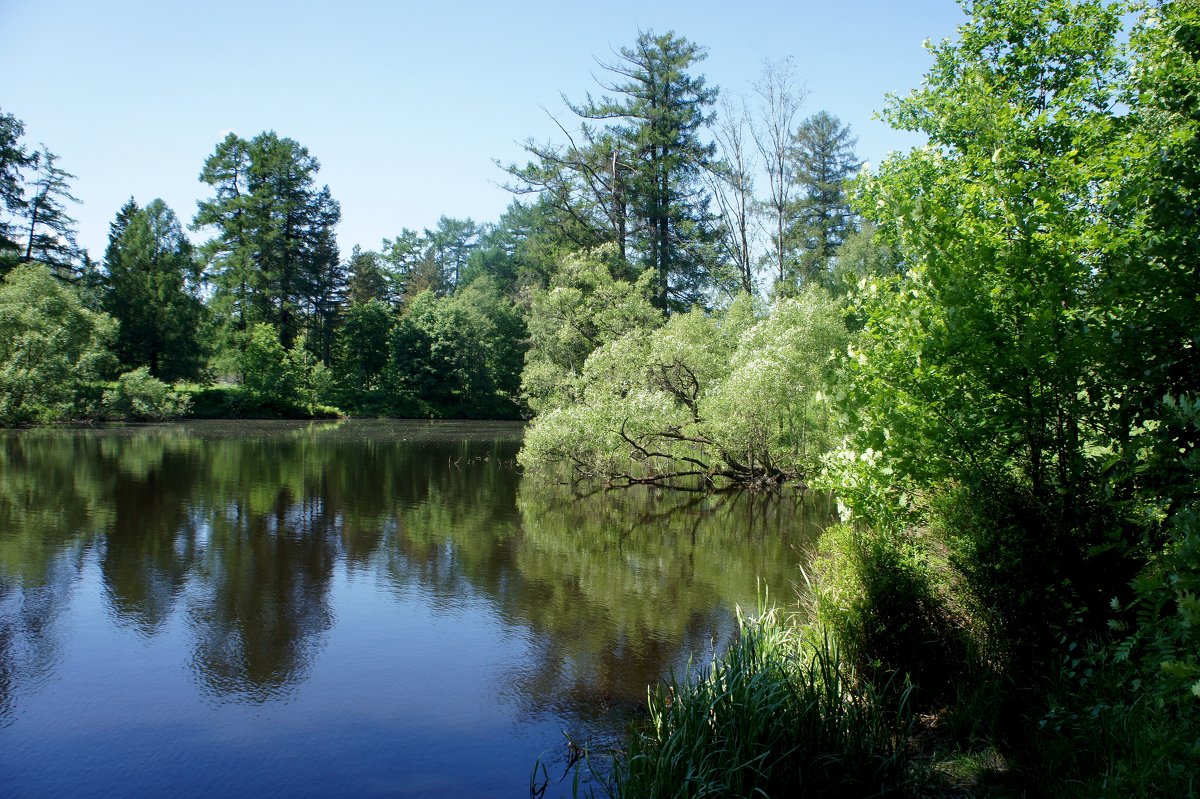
(355, 608)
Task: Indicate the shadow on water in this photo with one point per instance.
(242, 530)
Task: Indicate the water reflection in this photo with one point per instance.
(629, 584)
(240, 531)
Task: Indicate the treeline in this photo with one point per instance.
(433, 322)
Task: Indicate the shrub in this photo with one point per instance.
(775, 715)
(893, 606)
(140, 395)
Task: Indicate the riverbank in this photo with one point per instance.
(894, 680)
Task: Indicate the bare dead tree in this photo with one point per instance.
(731, 180)
(774, 127)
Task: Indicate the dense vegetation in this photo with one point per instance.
(986, 346)
(1019, 462)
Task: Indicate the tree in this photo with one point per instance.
(274, 256)
(450, 245)
(412, 266)
(438, 356)
(230, 254)
(363, 345)
(50, 345)
(152, 291)
(1035, 368)
(500, 326)
(51, 231)
(981, 378)
(774, 131)
(266, 376)
(863, 256)
(367, 279)
(731, 180)
(120, 223)
(707, 398)
(983, 345)
(663, 110)
(637, 179)
(13, 159)
(1147, 341)
(584, 308)
(823, 162)
(521, 249)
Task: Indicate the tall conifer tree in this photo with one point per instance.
(274, 257)
(152, 291)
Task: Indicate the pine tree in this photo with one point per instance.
(229, 255)
(13, 159)
(366, 278)
(634, 175)
(274, 258)
(50, 239)
(662, 110)
(824, 160)
(152, 291)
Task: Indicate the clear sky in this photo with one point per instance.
(405, 104)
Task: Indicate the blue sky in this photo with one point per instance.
(406, 105)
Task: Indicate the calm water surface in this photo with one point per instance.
(343, 609)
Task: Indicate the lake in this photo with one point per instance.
(353, 608)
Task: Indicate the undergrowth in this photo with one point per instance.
(779, 713)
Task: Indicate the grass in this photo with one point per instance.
(779, 713)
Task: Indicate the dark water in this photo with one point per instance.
(343, 609)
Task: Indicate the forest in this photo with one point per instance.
(985, 347)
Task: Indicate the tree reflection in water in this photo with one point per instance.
(243, 528)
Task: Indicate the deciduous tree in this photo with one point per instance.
(50, 344)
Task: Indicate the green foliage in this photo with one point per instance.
(267, 375)
(895, 608)
(140, 396)
(1025, 391)
(521, 249)
(13, 159)
(457, 356)
(49, 237)
(823, 163)
(723, 397)
(774, 715)
(367, 278)
(273, 258)
(979, 367)
(313, 379)
(982, 344)
(636, 180)
(152, 291)
(585, 307)
(862, 256)
(362, 349)
(288, 382)
(50, 345)
(221, 401)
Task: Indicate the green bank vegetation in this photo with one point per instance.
(1010, 605)
(986, 347)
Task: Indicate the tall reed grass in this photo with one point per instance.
(779, 713)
